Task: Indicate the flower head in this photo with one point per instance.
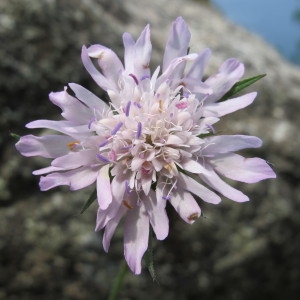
(153, 143)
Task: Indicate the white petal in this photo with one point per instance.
(237, 167)
(136, 235)
(104, 193)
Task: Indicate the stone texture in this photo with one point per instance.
(49, 251)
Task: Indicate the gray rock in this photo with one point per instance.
(237, 251)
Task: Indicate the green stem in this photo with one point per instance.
(118, 281)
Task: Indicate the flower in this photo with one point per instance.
(153, 143)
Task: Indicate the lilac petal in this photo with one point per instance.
(143, 48)
(214, 181)
(88, 98)
(191, 185)
(72, 109)
(117, 190)
(226, 107)
(136, 235)
(101, 80)
(186, 206)
(76, 179)
(75, 160)
(192, 166)
(178, 42)
(111, 227)
(49, 146)
(236, 167)
(157, 214)
(49, 169)
(229, 143)
(228, 74)
(197, 69)
(110, 64)
(66, 127)
(104, 193)
(129, 54)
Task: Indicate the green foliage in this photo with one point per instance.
(240, 85)
(89, 201)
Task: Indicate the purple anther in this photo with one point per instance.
(102, 158)
(134, 78)
(127, 109)
(211, 128)
(139, 130)
(117, 128)
(137, 105)
(145, 77)
(103, 143)
(127, 188)
(168, 197)
(92, 120)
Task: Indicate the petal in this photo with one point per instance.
(46, 170)
(72, 109)
(222, 187)
(186, 206)
(111, 227)
(157, 214)
(143, 48)
(226, 107)
(129, 54)
(191, 185)
(117, 189)
(104, 193)
(110, 64)
(192, 166)
(66, 127)
(101, 80)
(228, 74)
(76, 179)
(75, 160)
(136, 235)
(88, 98)
(229, 143)
(243, 169)
(178, 42)
(49, 146)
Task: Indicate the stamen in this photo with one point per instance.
(168, 197)
(127, 188)
(92, 120)
(134, 78)
(127, 204)
(72, 145)
(211, 128)
(160, 103)
(145, 77)
(127, 109)
(138, 105)
(139, 130)
(102, 158)
(103, 143)
(193, 217)
(117, 128)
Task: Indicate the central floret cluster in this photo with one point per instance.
(153, 143)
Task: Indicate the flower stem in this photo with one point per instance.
(118, 281)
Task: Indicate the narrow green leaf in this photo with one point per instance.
(149, 260)
(15, 136)
(240, 85)
(88, 203)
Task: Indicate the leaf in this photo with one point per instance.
(240, 85)
(15, 136)
(149, 260)
(88, 203)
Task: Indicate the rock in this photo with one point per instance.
(237, 251)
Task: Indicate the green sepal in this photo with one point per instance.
(150, 261)
(89, 201)
(15, 136)
(240, 85)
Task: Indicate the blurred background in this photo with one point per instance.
(238, 251)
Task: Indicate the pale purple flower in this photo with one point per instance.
(153, 143)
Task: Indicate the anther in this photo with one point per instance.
(134, 78)
(117, 128)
